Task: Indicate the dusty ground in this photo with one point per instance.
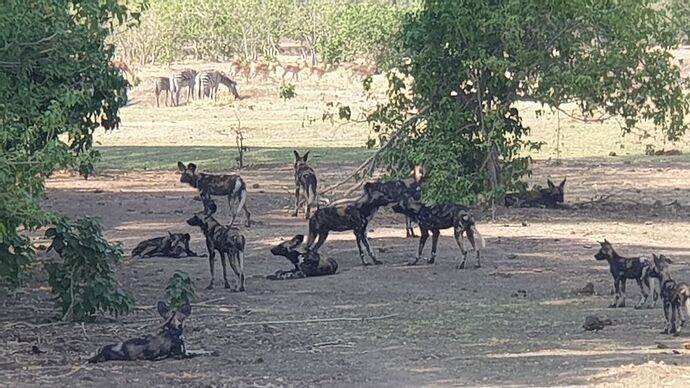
(428, 325)
(515, 321)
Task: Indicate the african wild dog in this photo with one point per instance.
(676, 296)
(550, 197)
(305, 180)
(354, 216)
(434, 218)
(623, 268)
(209, 184)
(307, 263)
(172, 245)
(227, 240)
(168, 342)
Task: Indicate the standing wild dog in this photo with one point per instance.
(168, 342)
(550, 197)
(434, 218)
(305, 179)
(227, 240)
(676, 296)
(354, 216)
(209, 184)
(172, 245)
(307, 263)
(623, 268)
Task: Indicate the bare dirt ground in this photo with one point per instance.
(515, 321)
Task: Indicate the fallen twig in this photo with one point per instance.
(317, 320)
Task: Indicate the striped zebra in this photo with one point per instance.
(179, 80)
(160, 85)
(209, 81)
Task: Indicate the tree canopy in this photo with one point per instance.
(473, 60)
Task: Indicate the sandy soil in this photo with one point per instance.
(515, 321)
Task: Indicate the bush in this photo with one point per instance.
(287, 91)
(180, 290)
(83, 283)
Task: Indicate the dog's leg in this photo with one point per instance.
(621, 300)
(409, 230)
(225, 256)
(365, 240)
(294, 213)
(645, 295)
(232, 258)
(457, 233)
(319, 241)
(240, 262)
(655, 292)
(674, 318)
(242, 205)
(434, 244)
(423, 236)
(616, 294)
(211, 262)
(358, 239)
(667, 315)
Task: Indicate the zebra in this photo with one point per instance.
(160, 85)
(181, 79)
(209, 81)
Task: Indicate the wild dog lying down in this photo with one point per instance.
(209, 184)
(676, 296)
(172, 245)
(549, 197)
(307, 263)
(305, 180)
(227, 240)
(434, 218)
(623, 268)
(354, 216)
(168, 342)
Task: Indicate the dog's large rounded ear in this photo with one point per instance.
(666, 259)
(296, 154)
(606, 242)
(551, 185)
(212, 208)
(192, 167)
(297, 240)
(181, 166)
(186, 310)
(305, 156)
(186, 236)
(563, 182)
(163, 310)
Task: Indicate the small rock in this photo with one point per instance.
(525, 224)
(612, 153)
(593, 323)
(98, 191)
(588, 289)
(512, 256)
(255, 186)
(659, 345)
(686, 345)
(36, 350)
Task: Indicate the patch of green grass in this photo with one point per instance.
(216, 158)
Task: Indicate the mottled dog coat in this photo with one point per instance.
(228, 241)
(676, 297)
(307, 263)
(550, 197)
(624, 268)
(305, 180)
(172, 245)
(167, 342)
(231, 186)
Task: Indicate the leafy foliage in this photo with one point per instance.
(287, 91)
(180, 290)
(471, 61)
(84, 283)
(56, 87)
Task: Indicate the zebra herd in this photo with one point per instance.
(199, 84)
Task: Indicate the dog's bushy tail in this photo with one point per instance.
(478, 236)
(312, 196)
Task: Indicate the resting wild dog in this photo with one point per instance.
(623, 268)
(307, 263)
(227, 240)
(305, 179)
(676, 296)
(172, 245)
(434, 218)
(354, 216)
(209, 184)
(550, 197)
(168, 342)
